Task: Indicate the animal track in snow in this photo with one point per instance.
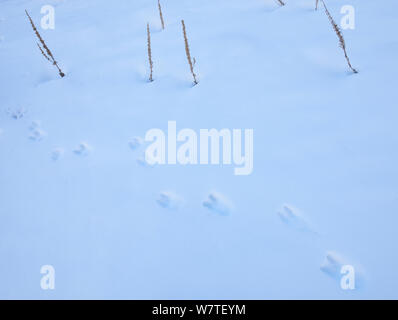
(142, 161)
(332, 265)
(57, 153)
(17, 113)
(36, 133)
(83, 149)
(169, 200)
(218, 203)
(35, 125)
(135, 143)
(293, 218)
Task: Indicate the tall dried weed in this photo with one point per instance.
(339, 35)
(47, 54)
(187, 51)
(149, 52)
(161, 14)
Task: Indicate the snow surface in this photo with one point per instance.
(77, 194)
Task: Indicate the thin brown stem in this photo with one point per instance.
(49, 56)
(187, 51)
(149, 53)
(43, 53)
(339, 35)
(161, 14)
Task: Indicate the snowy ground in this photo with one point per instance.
(77, 194)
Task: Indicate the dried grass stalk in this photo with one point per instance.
(149, 53)
(339, 35)
(161, 14)
(42, 52)
(316, 4)
(281, 3)
(49, 56)
(188, 52)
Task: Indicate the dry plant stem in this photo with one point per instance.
(49, 54)
(161, 14)
(149, 52)
(339, 35)
(281, 2)
(316, 4)
(188, 52)
(42, 52)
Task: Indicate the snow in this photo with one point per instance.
(77, 194)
